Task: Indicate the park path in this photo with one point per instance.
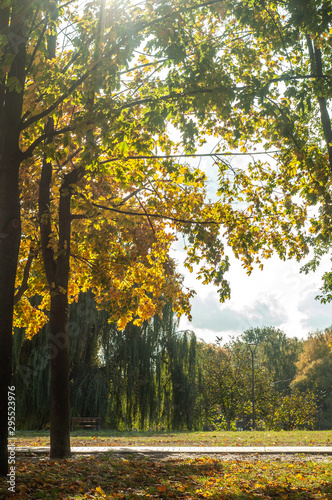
(192, 450)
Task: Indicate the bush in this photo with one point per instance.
(297, 410)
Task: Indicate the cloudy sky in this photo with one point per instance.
(278, 296)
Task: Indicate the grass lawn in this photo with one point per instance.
(221, 438)
(109, 477)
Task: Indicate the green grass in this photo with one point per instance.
(221, 438)
(108, 477)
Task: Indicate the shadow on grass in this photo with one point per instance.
(106, 476)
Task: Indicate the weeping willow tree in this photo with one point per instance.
(140, 377)
(89, 379)
(89, 374)
(132, 395)
(153, 375)
(176, 372)
(31, 377)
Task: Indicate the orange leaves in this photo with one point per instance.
(110, 477)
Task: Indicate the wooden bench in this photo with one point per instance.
(86, 423)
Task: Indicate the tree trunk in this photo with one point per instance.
(12, 24)
(9, 247)
(57, 272)
(60, 399)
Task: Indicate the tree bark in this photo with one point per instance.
(56, 264)
(60, 398)
(9, 247)
(12, 24)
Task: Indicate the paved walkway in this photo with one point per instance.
(201, 450)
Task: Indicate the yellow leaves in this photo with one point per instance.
(32, 318)
(123, 321)
(101, 492)
(39, 57)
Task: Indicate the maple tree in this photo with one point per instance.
(79, 119)
(63, 156)
(280, 68)
(86, 200)
(12, 60)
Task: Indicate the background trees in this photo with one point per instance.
(224, 391)
(152, 376)
(277, 353)
(313, 374)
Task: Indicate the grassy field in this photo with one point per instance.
(108, 477)
(244, 438)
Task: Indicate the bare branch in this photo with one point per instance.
(147, 215)
(131, 195)
(24, 285)
(193, 155)
(157, 216)
(71, 157)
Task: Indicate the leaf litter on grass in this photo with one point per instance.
(133, 477)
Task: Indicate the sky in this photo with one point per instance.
(279, 296)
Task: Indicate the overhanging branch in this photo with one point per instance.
(189, 155)
(157, 216)
(24, 285)
(29, 151)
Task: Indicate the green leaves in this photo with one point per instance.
(14, 85)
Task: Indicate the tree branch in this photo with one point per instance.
(147, 215)
(325, 117)
(45, 220)
(24, 285)
(193, 155)
(37, 46)
(157, 216)
(316, 65)
(29, 151)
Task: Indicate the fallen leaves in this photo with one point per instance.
(108, 477)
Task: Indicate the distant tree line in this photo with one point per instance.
(153, 376)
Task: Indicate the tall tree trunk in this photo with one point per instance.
(12, 25)
(9, 247)
(57, 271)
(60, 399)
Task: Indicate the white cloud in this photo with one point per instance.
(277, 296)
